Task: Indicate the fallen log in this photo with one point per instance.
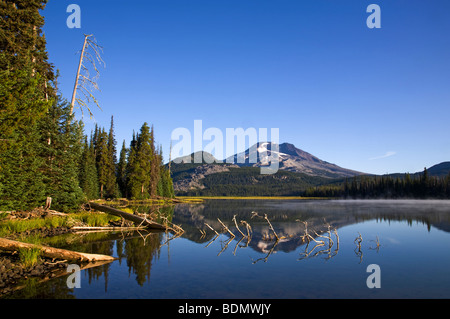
(107, 228)
(50, 252)
(140, 221)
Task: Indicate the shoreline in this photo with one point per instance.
(193, 198)
(200, 198)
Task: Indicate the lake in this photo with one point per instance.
(408, 240)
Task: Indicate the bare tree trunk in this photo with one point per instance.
(84, 82)
(132, 217)
(74, 94)
(48, 203)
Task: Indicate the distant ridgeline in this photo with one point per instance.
(302, 174)
(418, 185)
(241, 181)
(431, 183)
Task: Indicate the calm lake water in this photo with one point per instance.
(412, 251)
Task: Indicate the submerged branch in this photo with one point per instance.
(226, 228)
(237, 227)
(217, 234)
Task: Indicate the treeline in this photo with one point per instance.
(139, 173)
(419, 186)
(248, 181)
(43, 149)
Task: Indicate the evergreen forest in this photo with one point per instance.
(44, 150)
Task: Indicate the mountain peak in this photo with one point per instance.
(200, 157)
(290, 158)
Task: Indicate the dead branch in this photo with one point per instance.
(212, 240)
(255, 214)
(377, 243)
(226, 228)
(48, 203)
(169, 239)
(308, 237)
(84, 83)
(225, 246)
(235, 247)
(217, 234)
(330, 241)
(268, 254)
(54, 212)
(145, 237)
(171, 226)
(305, 236)
(307, 254)
(202, 232)
(271, 227)
(237, 227)
(248, 227)
(337, 237)
(358, 240)
(132, 217)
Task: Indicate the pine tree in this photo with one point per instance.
(88, 171)
(102, 160)
(131, 184)
(21, 181)
(112, 143)
(25, 96)
(22, 43)
(111, 187)
(122, 171)
(106, 161)
(95, 139)
(142, 175)
(21, 107)
(60, 148)
(154, 166)
(141, 170)
(165, 185)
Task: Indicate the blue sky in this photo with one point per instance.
(373, 100)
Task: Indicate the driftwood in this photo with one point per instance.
(217, 234)
(12, 245)
(141, 221)
(226, 228)
(106, 228)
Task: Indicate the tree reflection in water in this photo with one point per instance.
(138, 249)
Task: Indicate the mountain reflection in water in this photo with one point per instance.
(410, 241)
(287, 216)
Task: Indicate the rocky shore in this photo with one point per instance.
(13, 272)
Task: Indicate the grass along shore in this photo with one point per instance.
(9, 227)
(32, 227)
